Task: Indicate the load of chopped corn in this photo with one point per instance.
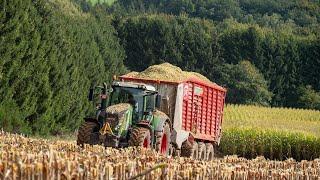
(167, 72)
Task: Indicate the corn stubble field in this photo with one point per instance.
(27, 158)
(248, 131)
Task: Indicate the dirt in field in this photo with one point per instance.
(167, 72)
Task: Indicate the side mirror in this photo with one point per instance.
(158, 101)
(90, 96)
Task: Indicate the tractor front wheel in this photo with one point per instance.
(140, 137)
(88, 134)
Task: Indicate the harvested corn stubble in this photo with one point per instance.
(27, 158)
(167, 72)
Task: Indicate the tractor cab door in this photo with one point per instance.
(149, 106)
(138, 110)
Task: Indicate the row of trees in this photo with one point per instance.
(50, 53)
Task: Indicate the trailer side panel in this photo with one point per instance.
(202, 110)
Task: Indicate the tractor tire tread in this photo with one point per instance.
(84, 133)
(137, 136)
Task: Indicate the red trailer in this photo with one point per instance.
(195, 108)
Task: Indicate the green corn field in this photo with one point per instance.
(276, 133)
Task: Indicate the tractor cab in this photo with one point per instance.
(143, 98)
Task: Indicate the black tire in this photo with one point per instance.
(202, 151)
(109, 140)
(210, 152)
(163, 140)
(88, 133)
(140, 137)
(176, 152)
(189, 150)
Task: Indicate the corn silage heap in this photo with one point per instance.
(167, 72)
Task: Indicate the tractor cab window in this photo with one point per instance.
(125, 95)
(120, 96)
(133, 96)
(150, 102)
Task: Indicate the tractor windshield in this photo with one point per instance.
(133, 96)
(141, 100)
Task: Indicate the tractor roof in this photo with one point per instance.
(135, 85)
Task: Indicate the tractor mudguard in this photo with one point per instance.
(159, 125)
(159, 120)
(145, 124)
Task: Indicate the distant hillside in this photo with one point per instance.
(109, 2)
(270, 13)
(87, 4)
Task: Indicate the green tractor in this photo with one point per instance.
(126, 115)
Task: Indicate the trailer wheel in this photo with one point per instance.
(88, 133)
(171, 150)
(202, 151)
(176, 152)
(210, 152)
(140, 137)
(163, 140)
(189, 149)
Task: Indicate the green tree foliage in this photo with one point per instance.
(308, 98)
(51, 52)
(275, 54)
(245, 84)
(302, 13)
(310, 62)
(189, 43)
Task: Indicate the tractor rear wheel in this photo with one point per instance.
(202, 151)
(140, 137)
(189, 149)
(88, 134)
(163, 140)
